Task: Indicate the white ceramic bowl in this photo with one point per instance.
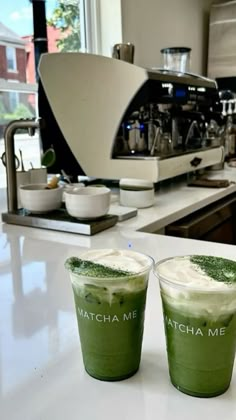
(136, 193)
(88, 202)
(37, 199)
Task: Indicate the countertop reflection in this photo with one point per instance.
(41, 369)
(36, 311)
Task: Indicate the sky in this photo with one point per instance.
(17, 15)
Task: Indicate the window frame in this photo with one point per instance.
(98, 14)
(91, 30)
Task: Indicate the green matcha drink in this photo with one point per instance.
(110, 294)
(199, 304)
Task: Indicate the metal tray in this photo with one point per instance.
(60, 220)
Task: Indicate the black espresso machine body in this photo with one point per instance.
(52, 137)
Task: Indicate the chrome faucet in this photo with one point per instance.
(9, 133)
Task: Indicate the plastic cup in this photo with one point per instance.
(200, 324)
(110, 313)
(176, 58)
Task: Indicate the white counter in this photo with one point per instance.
(41, 370)
(177, 200)
(172, 202)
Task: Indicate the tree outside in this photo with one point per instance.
(66, 18)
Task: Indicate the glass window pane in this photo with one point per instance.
(15, 105)
(11, 58)
(17, 45)
(64, 25)
(13, 100)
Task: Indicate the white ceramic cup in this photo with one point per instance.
(139, 199)
(38, 176)
(137, 193)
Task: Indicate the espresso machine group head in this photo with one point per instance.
(107, 118)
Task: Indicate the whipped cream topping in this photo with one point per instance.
(189, 290)
(119, 259)
(137, 264)
(182, 271)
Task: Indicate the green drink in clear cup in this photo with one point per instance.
(199, 307)
(110, 289)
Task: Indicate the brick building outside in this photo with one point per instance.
(17, 73)
(12, 68)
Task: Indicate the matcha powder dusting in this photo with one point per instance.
(91, 269)
(219, 269)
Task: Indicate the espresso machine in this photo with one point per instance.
(110, 119)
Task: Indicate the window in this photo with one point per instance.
(103, 26)
(13, 100)
(92, 26)
(11, 58)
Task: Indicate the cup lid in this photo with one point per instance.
(175, 50)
